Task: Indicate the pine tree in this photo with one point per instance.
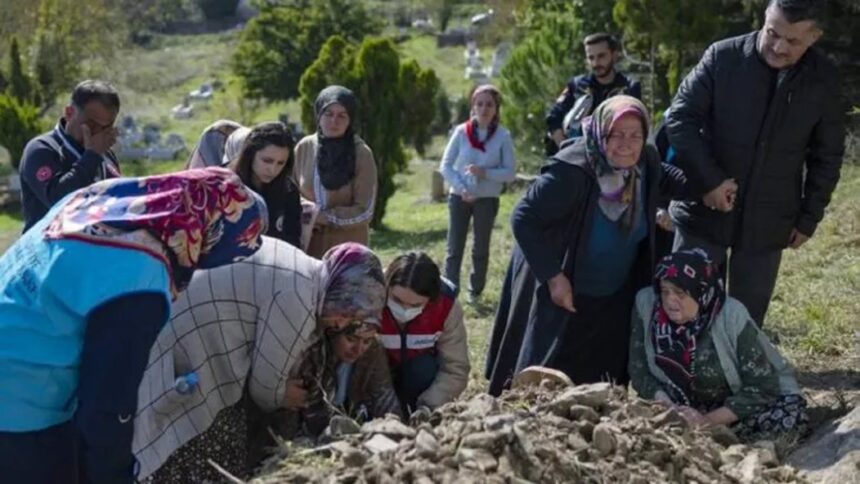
(20, 87)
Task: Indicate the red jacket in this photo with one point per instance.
(420, 335)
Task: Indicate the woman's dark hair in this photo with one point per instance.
(416, 271)
(261, 136)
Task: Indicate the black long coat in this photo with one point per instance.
(548, 225)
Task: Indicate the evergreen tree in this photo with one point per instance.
(278, 45)
(19, 122)
(19, 85)
(395, 102)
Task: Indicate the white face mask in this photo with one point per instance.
(402, 314)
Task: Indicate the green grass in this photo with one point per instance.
(447, 62)
(816, 309)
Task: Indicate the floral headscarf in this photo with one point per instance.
(675, 344)
(192, 219)
(618, 187)
(353, 283)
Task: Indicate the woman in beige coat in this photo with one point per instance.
(336, 171)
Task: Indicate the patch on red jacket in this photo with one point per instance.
(44, 173)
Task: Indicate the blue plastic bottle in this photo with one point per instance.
(186, 384)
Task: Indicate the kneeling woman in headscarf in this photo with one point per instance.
(584, 245)
(693, 347)
(234, 354)
(84, 293)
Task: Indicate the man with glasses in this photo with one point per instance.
(759, 130)
(75, 154)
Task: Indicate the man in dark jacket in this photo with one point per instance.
(74, 154)
(759, 131)
(586, 92)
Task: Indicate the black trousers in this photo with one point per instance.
(595, 344)
(751, 275)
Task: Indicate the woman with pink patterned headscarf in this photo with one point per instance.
(266, 342)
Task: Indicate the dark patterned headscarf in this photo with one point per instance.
(619, 202)
(192, 219)
(336, 156)
(675, 344)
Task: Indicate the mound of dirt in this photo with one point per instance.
(589, 433)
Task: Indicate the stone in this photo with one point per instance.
(748, 471)
(478, 459)
(576, 441)
(536, 375)
(832, 454)
(499, 422)
(388, 427)
(733, 455)
(722, 435)
(480, 406)
(340, 426)
(767, 452)
(354, 458)
(426, 445)
(604, 439)
(593, 395)
(491, 441)
(380, 443)
(581, 412)
(670, 418)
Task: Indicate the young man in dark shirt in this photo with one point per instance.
(584, 93)
(75, 154)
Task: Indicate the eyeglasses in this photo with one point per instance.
(618, 137)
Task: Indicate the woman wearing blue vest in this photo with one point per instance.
(423, 333)
(694, 348)
(83, 295)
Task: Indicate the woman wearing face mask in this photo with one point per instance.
(423, 333)
(478, 160)
(264, 163)
(585, 244)
(694, 348)
(336, 171)
(223, 363)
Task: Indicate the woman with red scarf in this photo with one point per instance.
(478, 160)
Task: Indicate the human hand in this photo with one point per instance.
(723, 197)
(691, 415)
(295, 396)
(468, 197)
(476, 171)
(557, 136)
(100, 142)
(662, 398)
(796, 239)
(664, 221)
(561, 292)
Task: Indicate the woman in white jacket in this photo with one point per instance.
(478, 160)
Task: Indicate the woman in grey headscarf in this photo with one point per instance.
(227, 354)
(335, 169)
(215, 139)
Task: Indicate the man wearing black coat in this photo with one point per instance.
(759, 131)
